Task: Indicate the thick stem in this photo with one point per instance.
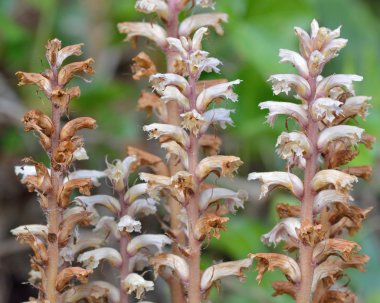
(304, 295)
(54, 214)
(124, 269)
(192, 208)
(176, 290)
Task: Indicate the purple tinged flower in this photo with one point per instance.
(352, 133)
(337, 80)
(286, 82)
(153, 6)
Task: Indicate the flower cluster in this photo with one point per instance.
(321, 146)
(55, 184)
(185, 108)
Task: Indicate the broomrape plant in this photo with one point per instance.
(320, 147)
(194, 209)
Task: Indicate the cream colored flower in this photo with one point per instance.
(135, 192)
(196, 21)
(338, 80)
(218, 271)
(216, 91)
(278, 178)
(206, 3)
(142, 207)
(172, 93)
(220, 165)
(193, 121)
(326, 108)
(295, 111)
(156, 130)
(91, 259)
(356, 106)
(175, 263)
(173, 148)
(149, 241)
(288, 56)
(293, 147)
(109, 202)
(341, 181)
(153, 6)
(107, 225)
(161, 81)
(128, 225)
(219, 116)
(352, 133)
(329, 196)
(34, 229)
(135, 283)
(151, 31)
(80, 154)
(286, 82)
(92, 291)
(119, 171)
(285, 230)
(233, 200)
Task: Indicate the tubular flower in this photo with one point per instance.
(151, 242)
(321, 145)
(135, 283)
(175, 263)
(92, 258)
(194, 22)
(153, 6)
(273, 179)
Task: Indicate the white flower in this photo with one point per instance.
(107, 225)
(219, 116)
(80, 154)
(338, 80)
(173, 148)
(356, 106)
(128, 224)
(283, 231)
(94, 175)
(135, 283)
(288, 56)
(24, 171)
(160, 81)
(329, 196)
(107, 201)
(156, 130)
(352, 133)
(293, 147)
(172, 93)
(174, 262)
(197, 38)
(92, 290)
(295, 111)
(216, 91)
(151, 31)
(220, 165)
(197, 21)
(192, 121)
(342, 182)
(91, 259)
(119, 171)
(286, 82)
(178, 46)
(156, 183)
(222, 270)
(149, 241)
(326, 108)
(34, 229)
(278, 178)
(135, 192)
(153, 6)
(142, 207)
(234, 200)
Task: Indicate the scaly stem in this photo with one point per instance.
(192, 208)
(124, 269)
(306, 250)
(177, 295)
(54, 213)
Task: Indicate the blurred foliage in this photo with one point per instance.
(249, 50)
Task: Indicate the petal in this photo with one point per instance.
(107, 201)
(218, 271)
(295, 111)
(356, 106)
(329, 196)
(151, 31)
(219, 116)
(286, 82)
(91, 258)
(342, 182)
(352, 133)
(293, 147)
(135, 192)
(285, 230)
(135, 283)
(220, 165)
(175, 263)
(216, 91)
(288, 56)
(153, 6)
(150, 241)
(172, 93)
(338, 80)
(173, 148)
(107, 225)
(128, 225)
(233, 199)
(156, 130)
(92, 291)
(160, 81)
(278, 178)
(326, 108)
(197, 21)
(142, 207)
(94, 175)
